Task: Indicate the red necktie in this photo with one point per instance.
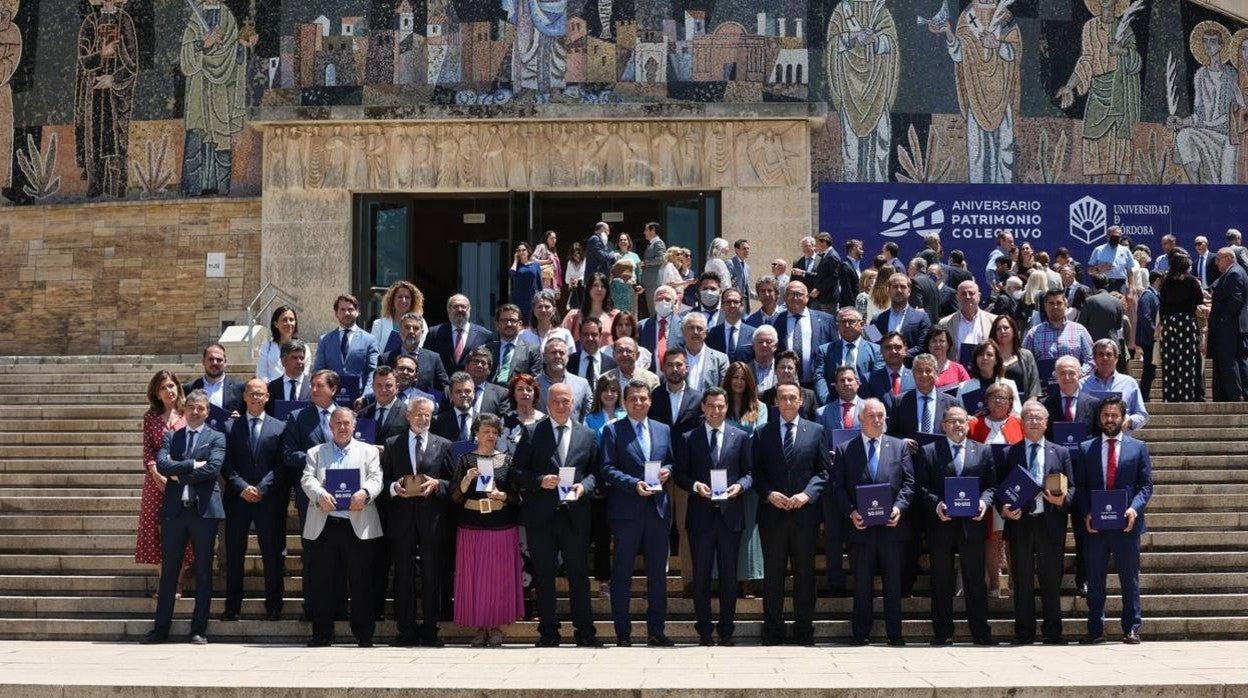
(459, 344)
(660, 345)
(847, 415)
(1111, 465)
(896, 384)
(1070, 408)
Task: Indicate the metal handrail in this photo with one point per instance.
(254, 313)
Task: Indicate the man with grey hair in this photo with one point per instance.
(706, 365)
(555, 360)
(1228, 330)
(626, 367)
(848, 349)
(924, 293)
(808, 262)
(1204, 262)
(1105, 378)
(294, 383)
(764, 343)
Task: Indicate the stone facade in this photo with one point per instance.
(125, 278)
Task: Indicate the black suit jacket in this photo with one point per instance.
(894, 467)
(525, 358)
(494, 399)
(442, 341)
(231, 393)
(1085, 409)
(1056, 460)
(903, 418)
(807, 472)
(934, 464)
(430, 373)
(302, 432)
(848, 283)
(810, 404)
(828, 280)
(446, 424)
(690, 410)
(948, 300)
(605, 363)
(914, 328)
(925, 295)
(263, 468)
(174, 460)
(956, 275)
(694, 464)
(396, 420)
(404, 512)
(277, 391)
(1229, 310)
(537, 455)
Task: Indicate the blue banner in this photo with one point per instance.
(1075, 216)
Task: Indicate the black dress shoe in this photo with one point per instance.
(772, 640)
(588, 641)
(547, 641)
(153, 638)
(1092, 639)
(804, 640)
(432, 641)
(405, 641)
(364, 643)
(623, 642)
(1131, 638)
(727, 642)
(941, 642)
(319, 643)
(273, 615)
(842, 593)
(229, 616)
(705, 641)
(859, 642)
(305, 617)
(1020, 641)
(899, 642)
(985, 642)
(1056, 641)
(660, 641)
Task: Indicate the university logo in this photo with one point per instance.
(926, 217)
(961, 495)
(1087, 220)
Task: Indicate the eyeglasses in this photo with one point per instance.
(1035, 418)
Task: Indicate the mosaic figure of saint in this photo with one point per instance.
(1108, 71)
(1202, 141)
(986, 47)
(864, 64)
(108, 62)
(539, 58)
(10, 56)
(213, 60)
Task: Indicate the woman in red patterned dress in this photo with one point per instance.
(164, 395)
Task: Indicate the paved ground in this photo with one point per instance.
(54, 668)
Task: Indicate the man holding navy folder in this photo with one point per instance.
(955, 478)
(1035, 525)
(1115, 482)
(873, 481)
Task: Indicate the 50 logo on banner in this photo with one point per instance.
(923, 219)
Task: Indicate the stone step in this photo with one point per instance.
(94, 525)
(58, 465)
(68, 505)
(76, 452)
(1169, 477)
(291, 631)
(1206, 448)
(70, 390)
(62, 426)
(1154, 436)
(1197, 408)
(75, 400)
(1198, 502)
(1182, 421)
(71, 438)
(76, 412)
(8, 481)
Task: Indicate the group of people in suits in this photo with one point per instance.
(844, 412)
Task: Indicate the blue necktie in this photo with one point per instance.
(957, 459)
(643, 439)
(1034, 465)
(344, 345)
(715, 447)
(190, 454)
(255, 434)
(463, 426)
(325, 433)
(732, 339)
(873, 459)
(926, 418)
(789, 440)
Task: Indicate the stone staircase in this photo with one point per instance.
(70, 477)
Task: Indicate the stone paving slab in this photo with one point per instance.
(56, 669)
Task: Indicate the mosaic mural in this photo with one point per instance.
(108, 99)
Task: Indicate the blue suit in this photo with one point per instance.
(880, 385)
(639, 524)
(743, 350)
(829, 356)
(263, 469)
(914, 327)
(788, 536)
(714, 528)
(361, 358)
(1135, 475)
(877, 547)
(758, 318)
(195, 521)
(648, 337)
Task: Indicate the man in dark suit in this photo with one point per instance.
(589, 361)
(732, 336)
(786, 372)
(455, 338)
(889, 382)
(808, 262)
(849, 349)
(419, 521)
(556, 521)
(388, 412)
(255, 494)
(875, 458)
(1070, 404)
(678, 405)
(768, 307)
(1101, 313)
(802, 330)
(294, 385)
(405, 371)
(1036, 532)
(924, 294)
(1114, 461)
(1146, 313)
(640, 518)
(1075, 292)
(825, 286)
(912, 323)
(664, 324)
(1204, 263)
(850, 273)
(840, 413)
(222, 389)
(455, 422)
(598, 256)
(487, 397)
(739, 270)
(956, 271)
(956, 456)
(305, 428)
(348, 350)
(922, 409)
(1228, 328)
(715, 519)
(790, 475)
(191, 458)
(510, 356)
(431, 374)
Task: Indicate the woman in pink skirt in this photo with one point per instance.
(489, 586)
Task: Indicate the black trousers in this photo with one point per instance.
(335, 554)
(1149, 373)
(423, 538)
(970, 552)
(869, 552)
(1032, 554)
(381, 565)
(788, 539)
(715, 547)
(175, 531)
(270, 523)
(1081, 535)
(600, 535)
(834, 523)
(339, 590)
(561, 536)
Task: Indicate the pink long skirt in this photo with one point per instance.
(489, 584)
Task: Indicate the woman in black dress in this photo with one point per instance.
(1182, 364)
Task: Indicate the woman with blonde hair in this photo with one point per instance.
(866, 283)
(401, 298)
(879, 301)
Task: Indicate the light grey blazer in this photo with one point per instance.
(366, 522)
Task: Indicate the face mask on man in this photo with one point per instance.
(709, 298)
(663, 308)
